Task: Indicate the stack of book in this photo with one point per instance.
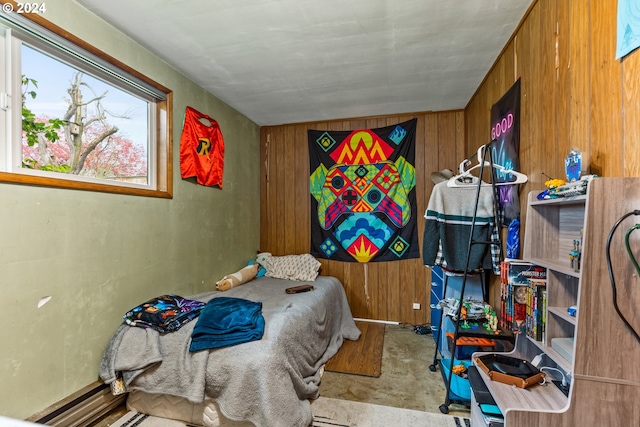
(523, 296)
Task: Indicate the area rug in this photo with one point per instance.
(361, 357)
(328, 412)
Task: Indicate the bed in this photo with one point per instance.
(267, 382)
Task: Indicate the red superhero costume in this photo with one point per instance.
(201, 149)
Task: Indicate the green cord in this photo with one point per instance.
(614, 291)
(626, 242)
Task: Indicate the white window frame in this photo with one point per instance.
(38, 33)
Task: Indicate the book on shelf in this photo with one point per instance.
(505, 320)
(522, 285)
(493, 421)
(535, 308)
(543, 316)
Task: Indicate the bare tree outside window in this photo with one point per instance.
(75, 117)
(81, 140)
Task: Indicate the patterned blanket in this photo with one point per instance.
(166, 313)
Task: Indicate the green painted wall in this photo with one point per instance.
(97, 255)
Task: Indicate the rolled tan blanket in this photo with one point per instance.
(238, 278)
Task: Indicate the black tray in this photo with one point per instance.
(510, 370)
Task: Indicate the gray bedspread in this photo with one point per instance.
(267, 382)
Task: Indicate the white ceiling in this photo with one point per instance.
(290, 61)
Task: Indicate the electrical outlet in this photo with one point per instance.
(416, 306)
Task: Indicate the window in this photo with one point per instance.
(73, 117)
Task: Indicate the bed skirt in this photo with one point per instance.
(204, 414)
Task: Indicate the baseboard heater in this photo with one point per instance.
(81, 409)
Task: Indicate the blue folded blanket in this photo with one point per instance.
(227, 321)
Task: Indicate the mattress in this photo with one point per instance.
(177, 408)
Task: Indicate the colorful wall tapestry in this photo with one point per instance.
(363, 201)
(505, 134)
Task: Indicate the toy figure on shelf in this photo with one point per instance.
(471, 309)
(460, 370)
(569, 189)
(575, 253)
(551, 184)
(492, 318)
(573, 165)
(493, 322)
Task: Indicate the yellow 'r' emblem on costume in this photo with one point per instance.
(204, 146)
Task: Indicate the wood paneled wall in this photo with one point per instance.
(574, 94)
(393, 287)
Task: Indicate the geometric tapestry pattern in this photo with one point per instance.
(363, 202)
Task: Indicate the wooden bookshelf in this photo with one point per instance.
(605, 365)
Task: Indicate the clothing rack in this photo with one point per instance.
(485, 159)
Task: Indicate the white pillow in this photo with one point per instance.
(293, 267)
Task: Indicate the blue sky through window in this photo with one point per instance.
(53, 78)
